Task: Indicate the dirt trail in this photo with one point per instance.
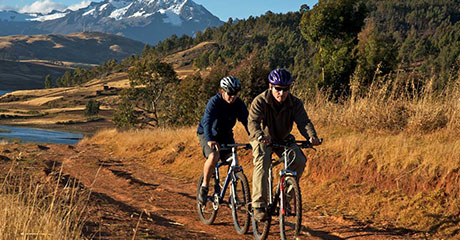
(128, 199)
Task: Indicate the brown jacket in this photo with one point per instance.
(265, 119)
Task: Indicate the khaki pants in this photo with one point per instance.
(262, 160)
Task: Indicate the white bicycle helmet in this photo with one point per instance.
(230, 84)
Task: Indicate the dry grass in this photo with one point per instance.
(161, 148)
(391, 154)
(41, 100)
(393, 106)
(173, 150)
(401, 179)
(30, 210)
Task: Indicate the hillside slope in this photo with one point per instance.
(86, 47)
(27, 75)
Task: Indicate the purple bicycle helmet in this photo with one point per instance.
(280, 76)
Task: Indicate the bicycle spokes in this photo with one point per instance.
(238, 202)
(207, 211)
(291, 212)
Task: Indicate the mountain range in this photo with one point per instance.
(148, 21)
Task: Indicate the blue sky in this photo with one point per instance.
(221, 8)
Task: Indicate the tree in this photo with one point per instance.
(253, 73)
(125, 116)
(376, 54)
(332, 20)
(48, 82)
(92, 108)
(188, 103)
(332, 27)
(146, 50)
(151, 81)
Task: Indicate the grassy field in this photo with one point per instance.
(388, 158)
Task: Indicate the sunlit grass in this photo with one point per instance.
(31, 210)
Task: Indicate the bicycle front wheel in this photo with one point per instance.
(239, 203)
(261, 229)
(290, 210)
(207, 211)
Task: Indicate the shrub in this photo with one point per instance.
(92, 108)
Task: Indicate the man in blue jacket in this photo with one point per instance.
(216, 126)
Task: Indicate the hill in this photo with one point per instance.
(85, 47)
(28, 59)
(28, 75)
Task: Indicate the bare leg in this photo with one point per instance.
(209, 167)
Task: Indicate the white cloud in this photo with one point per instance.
(82, 4)
(42, 6)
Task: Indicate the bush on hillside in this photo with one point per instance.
(92, 108)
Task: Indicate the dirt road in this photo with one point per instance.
(129, 201)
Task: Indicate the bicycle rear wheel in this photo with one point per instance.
(291, 210)
(208, 211)
(239, 203)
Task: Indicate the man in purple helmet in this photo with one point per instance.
(271, 118)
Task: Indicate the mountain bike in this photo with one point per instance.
(287, 200)
(239, 197)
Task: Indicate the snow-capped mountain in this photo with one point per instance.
(145, 20)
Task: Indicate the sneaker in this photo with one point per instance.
(203, 196)
(260, 214)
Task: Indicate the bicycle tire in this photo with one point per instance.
(261, 229)
(208, 211)
(291, 219)
(239, 204)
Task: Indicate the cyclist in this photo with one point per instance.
(271, 117)
(216, 126)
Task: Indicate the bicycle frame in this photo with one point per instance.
(283, 173)
(276, 198)
(232, 170)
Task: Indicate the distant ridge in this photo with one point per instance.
(87, 47)
(27, 75)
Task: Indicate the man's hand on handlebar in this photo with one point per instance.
(315, 141)
(265, 140)
(213, 145)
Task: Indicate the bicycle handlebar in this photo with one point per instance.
(227, 146)
(300, 144)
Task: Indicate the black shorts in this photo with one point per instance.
(207, 150)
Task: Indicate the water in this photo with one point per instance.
(38, 135)
(2, 92)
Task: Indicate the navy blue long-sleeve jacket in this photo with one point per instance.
(220, 117)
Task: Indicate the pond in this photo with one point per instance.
(38, 135)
